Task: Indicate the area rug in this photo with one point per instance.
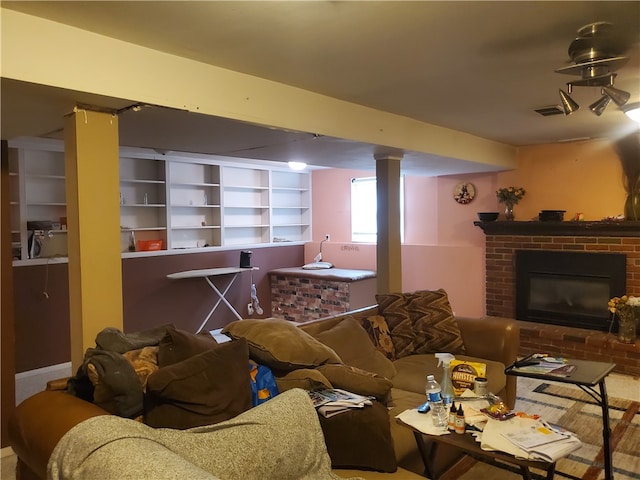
(575, 410)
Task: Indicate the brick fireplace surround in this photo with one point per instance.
(502, 241)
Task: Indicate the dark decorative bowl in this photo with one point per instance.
(551, 215)
(487, 216)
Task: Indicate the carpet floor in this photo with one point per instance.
(570, 407)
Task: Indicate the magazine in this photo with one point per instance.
(548, 368)
(542, 364)
(330, 402)
(544, 442)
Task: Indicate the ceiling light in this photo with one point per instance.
(596, 53)
(599, 105)
(633, 111)
(619, 97)
(568, 104)
(297, 165)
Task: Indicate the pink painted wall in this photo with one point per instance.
(443, 249)
(428, 262)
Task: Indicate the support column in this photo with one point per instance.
(388, 253)
(93, 224)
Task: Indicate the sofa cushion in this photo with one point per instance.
(420, 322)
(178, 345)
(280, 344)
(435, 327)
(393, 307)
(360, 438)
(358, 381)
(412, 372)
(353, 345)
(206, 388)
(304, 378)
(378, 330)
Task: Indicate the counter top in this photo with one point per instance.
(338, 274)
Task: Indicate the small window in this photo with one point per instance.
(364, 222)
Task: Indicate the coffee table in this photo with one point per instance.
(428, 446)
(587, 376)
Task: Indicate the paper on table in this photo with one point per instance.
(421, 422)
(493, 438)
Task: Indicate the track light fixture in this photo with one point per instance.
(619, 97)
(599, 105)
(568, 104)
(596, 54)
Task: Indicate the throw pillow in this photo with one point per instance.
(206, 388)
(434, 325)
(393, 307)
(304, 378)
(378, 330)
(178, 345)
(360, 439)
(280, 344)
(358, 381)
(353, 345)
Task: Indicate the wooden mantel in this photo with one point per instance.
(561, 229)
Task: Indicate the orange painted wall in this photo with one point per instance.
(443, 249)
(581, 177)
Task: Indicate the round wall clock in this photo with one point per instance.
(464, 192)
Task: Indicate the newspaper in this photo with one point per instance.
(330, 402)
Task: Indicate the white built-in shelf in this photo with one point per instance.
(185, 200)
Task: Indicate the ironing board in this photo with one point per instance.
(207, 274)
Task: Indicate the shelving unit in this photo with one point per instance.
(245, 201)
(142, 200)
(14, 195)
(40, 197)
(186, 200)
(195, 212)
(291, 206)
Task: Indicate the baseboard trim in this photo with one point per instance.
(43, 370)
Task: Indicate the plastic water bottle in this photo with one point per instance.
(439, 412)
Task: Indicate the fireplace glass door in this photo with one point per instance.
(568, 288)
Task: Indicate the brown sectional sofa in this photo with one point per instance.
(42, 420)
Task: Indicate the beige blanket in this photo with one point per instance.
(280, 439)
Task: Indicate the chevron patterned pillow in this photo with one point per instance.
(420, 322)
(434, 325)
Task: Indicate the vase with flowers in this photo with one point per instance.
(627, 310)
(510, 196)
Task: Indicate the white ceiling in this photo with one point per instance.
(476, 67)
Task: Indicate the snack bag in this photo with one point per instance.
(464, 373)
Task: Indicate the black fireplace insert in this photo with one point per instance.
(568, 288)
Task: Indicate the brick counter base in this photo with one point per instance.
(581, 344)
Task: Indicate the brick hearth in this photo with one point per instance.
(504, 238)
